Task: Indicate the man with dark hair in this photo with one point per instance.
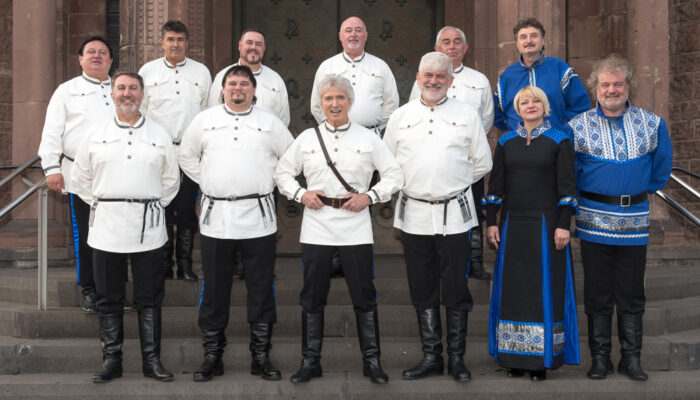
(176, 90)
(74, 106)
(126, 169)
(623, 153)
(231, 151)
(271, 92)
(566, 94)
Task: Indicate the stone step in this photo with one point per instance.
(23, 356)
(487, 383)
(661, 317)
(20, 286)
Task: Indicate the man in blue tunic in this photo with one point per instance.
(623, 153)
(566, 94)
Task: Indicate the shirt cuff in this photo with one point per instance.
(298, 194)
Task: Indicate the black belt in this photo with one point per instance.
(463, 206)
(257, 196)
(335, 202)
(153, 204)
(625, 200)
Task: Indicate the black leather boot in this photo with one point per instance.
(600, 343)
(456, 344)
(183, 253)
(89, 300)
(238, 268)
(111, 339)
(368, 333)
(431, 338)
(168, 251)
(629, 329)
(214, 344)
(149, 332)
(337, 266)
(260, 344)
(311, 344)
(476, 255)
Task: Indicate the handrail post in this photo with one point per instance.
(42, 247)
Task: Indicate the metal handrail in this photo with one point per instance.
(690, 216)
(42, 220)
(693, 174)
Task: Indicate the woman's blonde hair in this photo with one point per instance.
(535, 93)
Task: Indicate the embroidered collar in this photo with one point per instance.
(357, 60)
(171, 66)
(341, 128)
(237, 114)
(97, 81)
(539, 61)
(540, 129)
(255, 73)
(600, 112)
(460, 69)
(441, 102)
(125, 125)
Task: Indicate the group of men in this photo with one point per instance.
(136, 151)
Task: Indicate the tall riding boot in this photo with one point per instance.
(111, 339)
(368, 333)
(149, 331)
(311, 343)
(260, 344)
(90, 299)
(629, 329)
(238, 268)
(431, 339)
(600, 342)
(476, 255)
(456, 344)
(214, 344)
(168, 251)
(183, 253)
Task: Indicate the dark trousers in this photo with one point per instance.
(358, 267)
(613, 277)
(80, 216)
(110, 279)
(181, 210)
(258, 255)
(435, 262)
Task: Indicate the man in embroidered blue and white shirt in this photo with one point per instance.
(623, 153)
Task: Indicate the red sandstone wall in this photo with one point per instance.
(5, 90)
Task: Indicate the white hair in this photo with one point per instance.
(447, 28)
(337, 82)
(436, 61)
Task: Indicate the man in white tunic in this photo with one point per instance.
(231, 151)
(74, 106)
(336, 218)
(473, 88)
(371, 78)
(442, 149)
(271, 92)
(176, 90)
(126, 169)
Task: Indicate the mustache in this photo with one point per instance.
(433, 85)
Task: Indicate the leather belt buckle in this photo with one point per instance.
(625, 200)
(336, 203)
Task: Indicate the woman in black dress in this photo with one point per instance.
(532, 322)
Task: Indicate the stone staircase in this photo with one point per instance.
(54, 353)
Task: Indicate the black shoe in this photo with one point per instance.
(238, 268)
(214, 342)
(629, 329)
(457, 369)
(368, 333)
(168, 251)
(149, 334)
(538, 375)
(89, 300)
(456, 344)
(476, 258)
(311, 344)
(600, 343)
(260, 344)
(183, 254)
(431, 339)
(515, 372)
(111, 338)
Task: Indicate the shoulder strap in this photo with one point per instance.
(330, 163)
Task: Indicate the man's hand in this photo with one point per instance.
(561, 238)
(55, 182)
(357, 202)
(310, 199)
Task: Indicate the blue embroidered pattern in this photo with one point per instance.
(556, 135)
(527, 337)
(540, 129)
(491, 199)
(591, 219)
(566, 78)
(568, 201)
(607, 139)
